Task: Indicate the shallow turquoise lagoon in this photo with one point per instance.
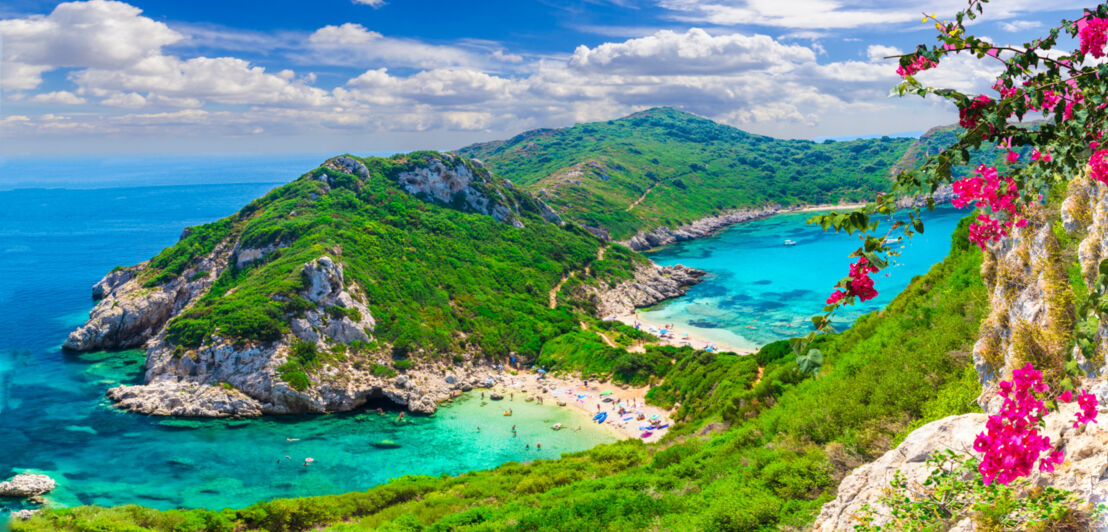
(758, 290)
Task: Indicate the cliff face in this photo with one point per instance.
(1033, 278)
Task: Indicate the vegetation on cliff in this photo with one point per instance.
(436, 277)
(664, 167)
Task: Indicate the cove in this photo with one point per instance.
(759, 290)
(56, 243)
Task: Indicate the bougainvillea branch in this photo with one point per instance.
(1047, 100)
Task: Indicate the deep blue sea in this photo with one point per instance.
(87, 216)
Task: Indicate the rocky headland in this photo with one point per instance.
(228, 376)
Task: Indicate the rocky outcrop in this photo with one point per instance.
(338, 387)
(129, 313)
(662, 236)
(1084, 473)
(172, 398)
(26, 485)
(348, 165)
(342, 315)
(22, 515)
(447, 180)
(1031, 306)
(651, 284)
(113, 280)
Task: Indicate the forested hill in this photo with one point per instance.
(664, 167)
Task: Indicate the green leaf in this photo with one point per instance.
(917, 224)
(811, 362)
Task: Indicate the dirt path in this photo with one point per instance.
(554, 291)
(588, 272)
(636, 202)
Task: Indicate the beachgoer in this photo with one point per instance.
(528, 446)
(538, 446)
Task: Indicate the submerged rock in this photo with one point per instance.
(26, 485)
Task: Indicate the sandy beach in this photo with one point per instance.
(825, 207)
(586, 401)
(677, 337)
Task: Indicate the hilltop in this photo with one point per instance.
(666, 168)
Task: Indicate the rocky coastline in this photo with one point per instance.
(703, 227)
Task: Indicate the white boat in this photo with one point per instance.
(790, 242)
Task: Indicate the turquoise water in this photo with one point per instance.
(55, 243)
(759, 290)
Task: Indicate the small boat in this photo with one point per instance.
(385, 444)
(790, 242)
(507, 412)
(647, 434)
(601, 417)
(558, 426)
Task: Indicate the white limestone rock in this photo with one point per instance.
(26, 485)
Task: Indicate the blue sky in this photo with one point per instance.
(381, 75)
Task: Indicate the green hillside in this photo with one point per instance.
(761, 447)
(435, 277)
(664, 167)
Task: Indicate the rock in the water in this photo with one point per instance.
(26, 485)
(495, 396)
(167, 398)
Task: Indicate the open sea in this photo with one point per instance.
(65, 223)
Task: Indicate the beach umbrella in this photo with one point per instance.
(606, 392)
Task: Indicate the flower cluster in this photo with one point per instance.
(1094, 35)
(987, 188)
(1012, 444)
(1087, 414)
(860, 283)
(970, 115)
(920, 63)
(1098, 164)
